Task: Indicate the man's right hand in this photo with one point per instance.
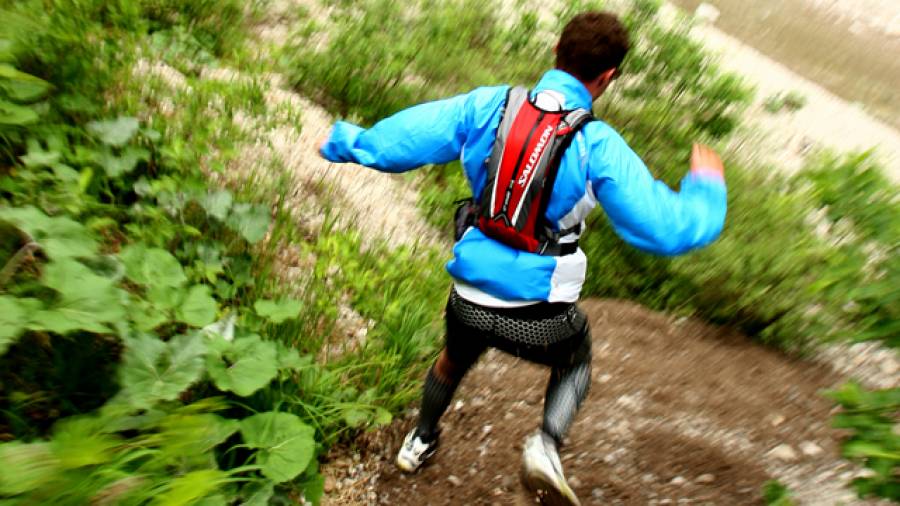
(705, 160)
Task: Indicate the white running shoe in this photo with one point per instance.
(414, 452)
(542, 472)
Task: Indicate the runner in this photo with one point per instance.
(517, 270)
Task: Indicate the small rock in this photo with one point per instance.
(783, 452)
(811, 449)
(678, 481)
(777, 420)
(604, 378)
(597, 494)
(329, 484)
(705, 478)
(574, 482)
(706, 13)
(648, 478)
(456, 482)
(458, 405)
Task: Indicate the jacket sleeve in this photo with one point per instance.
(646, 213)
(433, 132)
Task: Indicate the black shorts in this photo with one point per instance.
(552, 334)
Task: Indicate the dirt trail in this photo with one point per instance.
(679, 412)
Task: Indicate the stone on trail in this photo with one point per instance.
(705, 478)
(811, 449)
(783, 452)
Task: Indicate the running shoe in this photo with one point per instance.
(542, 472)
(415, 451)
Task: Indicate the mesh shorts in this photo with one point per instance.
(542, 330)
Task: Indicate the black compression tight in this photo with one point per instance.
(566, 390)
(570, 375)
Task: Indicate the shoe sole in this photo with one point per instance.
(548, 490)
(408, 467)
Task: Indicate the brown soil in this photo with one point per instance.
(679, 412)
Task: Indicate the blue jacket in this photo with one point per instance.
(599, 167)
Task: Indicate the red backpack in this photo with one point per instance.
(522, 169)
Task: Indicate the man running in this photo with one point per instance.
(520, 302)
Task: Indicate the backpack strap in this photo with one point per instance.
(516, 96)
(573, 122)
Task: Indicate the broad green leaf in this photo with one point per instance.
(151, 266)
(151, 134)
(382, 416)
(25, 91)
(26, 467)
(12, 321)
(313, 488)
(277, 311)
(115, 132)
(198, 307)
(146, 317)
(257, 493)
(217, 204)
(67, 174)
(289, 358)
(116, 165)
(251, 221)
(284, 444)
(40, 158)
(12, 73)
(16, 115)
(194, 435)
(87, 301)
(20, 86)
(355, 417)
(242, 366)
(165, 298)
(154, 370)
(192, 487)
(59, 237)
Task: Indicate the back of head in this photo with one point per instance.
(591, 43)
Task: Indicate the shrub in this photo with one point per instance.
(872, 417)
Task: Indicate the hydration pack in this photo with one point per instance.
(521, 171)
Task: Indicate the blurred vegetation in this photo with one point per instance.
(871, 419)
(147, 354)
(149, 351)
(792, 293)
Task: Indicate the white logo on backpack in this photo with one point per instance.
(535, 155)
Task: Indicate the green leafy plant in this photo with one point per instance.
(873, 418)
(776, 493)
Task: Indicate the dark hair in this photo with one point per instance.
(591, 43)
